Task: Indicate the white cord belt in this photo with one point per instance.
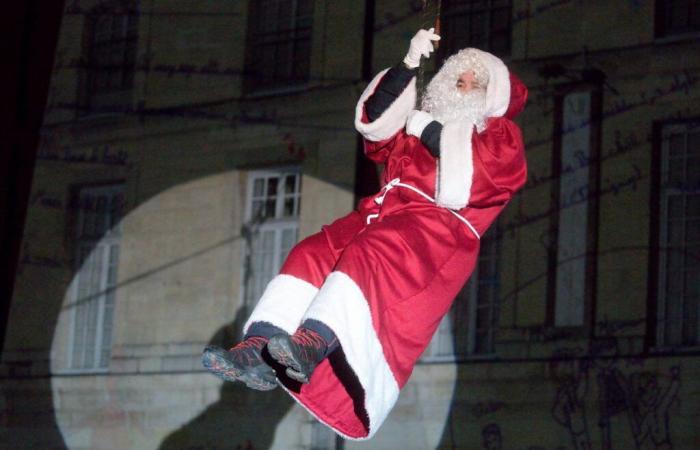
(397, 182)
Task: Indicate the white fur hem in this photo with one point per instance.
(393, 119)
(284, 302)
(342, 306)
(456, 165)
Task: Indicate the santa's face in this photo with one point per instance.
(466, 82)
(456, 97)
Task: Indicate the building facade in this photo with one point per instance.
(187, 146)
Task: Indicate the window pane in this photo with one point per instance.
(289, 184)
(690, 321)
(289, 207)
(674, 319)
(481, 24)
(289, 238)
(676, 145)
(272, 186)
(680, 16)
(483, 343)
(692, 258)
(693, 232)
(675, 172)
(692, 206)
(674, 288)
(692, 283)
(259, 187)
(694, 141)
(675, 232)
(483, 318)
(270, 208)
(693, 171)
(675, 259)
(675, 206)
(280, 39)
(257, 209)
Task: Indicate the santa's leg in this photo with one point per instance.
(282, 305)
(383, 301)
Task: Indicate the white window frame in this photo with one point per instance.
(106, 246)
(278, 224)
(572, 230)
(666, 191)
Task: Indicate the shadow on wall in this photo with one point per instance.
(242, 418)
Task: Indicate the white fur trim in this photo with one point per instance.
(498, 88)
(456, 165)
(284, 302)
(393, 119)
(342, 306)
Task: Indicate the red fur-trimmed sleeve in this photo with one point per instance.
(380, 134)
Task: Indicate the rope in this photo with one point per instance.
(397, 182)
(425, 24)
(421, 68)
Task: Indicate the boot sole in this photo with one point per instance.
(260, 378)
(280, 350)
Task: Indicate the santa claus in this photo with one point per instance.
(356, 304)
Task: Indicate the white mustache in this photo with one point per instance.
(446, 103)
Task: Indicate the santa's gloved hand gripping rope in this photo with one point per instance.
(356, 304)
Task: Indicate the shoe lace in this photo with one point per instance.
(310, 340)
(248, 351)
(253, 342)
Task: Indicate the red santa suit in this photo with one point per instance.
(383, 276)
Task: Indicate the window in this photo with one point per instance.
(272, 224)
(679, 257)
(94, 286)
(676, 17)
(484, 24)
(470, 326)
(279, 43)
(571, 274)
(110, 44)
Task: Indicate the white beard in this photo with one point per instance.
(446, 103)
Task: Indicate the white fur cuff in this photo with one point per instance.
(393, 119)
(284, 302)
(456, 165)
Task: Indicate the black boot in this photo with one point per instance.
(243, 362)
(300, 352)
